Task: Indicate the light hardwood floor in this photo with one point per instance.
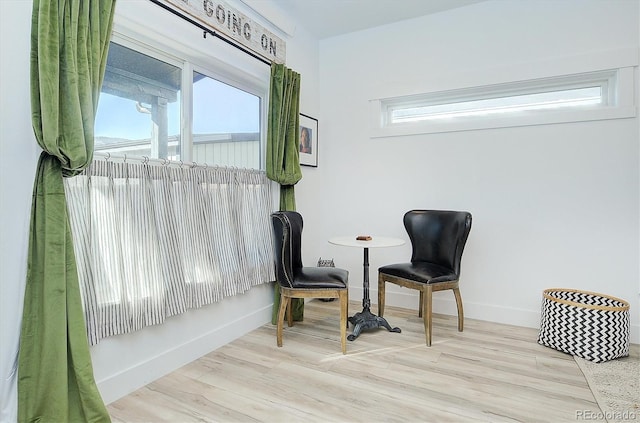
(488, 373)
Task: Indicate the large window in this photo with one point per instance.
(158, 106)
(188, 224)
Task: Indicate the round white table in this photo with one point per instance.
(365, 319)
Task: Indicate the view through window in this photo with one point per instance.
(226, 124)
(498, 105)
(139, 112)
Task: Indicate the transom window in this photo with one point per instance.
(577, 97)
(569, 98)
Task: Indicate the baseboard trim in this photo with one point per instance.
(123, 383)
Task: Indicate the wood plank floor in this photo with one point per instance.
(488, 373)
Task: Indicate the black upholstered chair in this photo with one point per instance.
(297, 281)
(437, 239)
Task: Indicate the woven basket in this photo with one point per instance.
(585, 324)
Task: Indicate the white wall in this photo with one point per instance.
(121, 363)
(553, 205)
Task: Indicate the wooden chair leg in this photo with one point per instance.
(381, 295)
(426, 313)
(281, 313)
(456, 292)
(344, 304)
(421, 303)
(289, 312)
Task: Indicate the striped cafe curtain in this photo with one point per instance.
(153, 241)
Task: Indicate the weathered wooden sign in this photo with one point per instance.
(220, 17)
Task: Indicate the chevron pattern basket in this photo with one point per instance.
(585, 324)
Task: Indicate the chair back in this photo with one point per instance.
(438, 236)
(287, 241)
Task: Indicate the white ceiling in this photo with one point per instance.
(328, 18)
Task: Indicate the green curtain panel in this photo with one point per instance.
(69, 44)
(283, 152)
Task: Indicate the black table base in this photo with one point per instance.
(367, 320)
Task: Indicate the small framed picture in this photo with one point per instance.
(308, 141)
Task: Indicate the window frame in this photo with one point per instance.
(618, 102)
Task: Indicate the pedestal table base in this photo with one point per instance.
(367, 320)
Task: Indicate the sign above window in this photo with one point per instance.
(220, 17)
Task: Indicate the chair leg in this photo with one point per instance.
(289, 312)
(344, 304)
(381, 295)
(281, 313)
(421, 303)
(426, 312)
(456, 292)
